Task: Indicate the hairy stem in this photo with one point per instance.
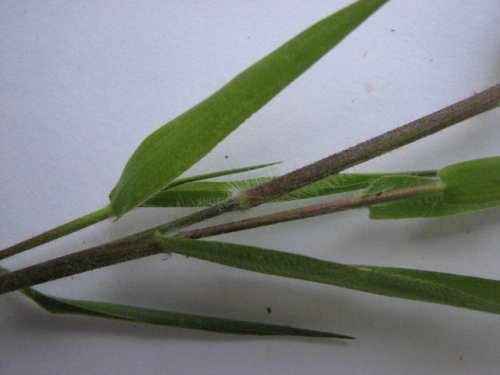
(311, 211)
(60, 231)
(374, 147)
(129, 249)
(333, 164)
(124, 250)
(82, 261)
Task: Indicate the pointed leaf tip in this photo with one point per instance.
(135, 314)
(176, 146)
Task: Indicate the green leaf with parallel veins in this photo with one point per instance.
(176, 146)
(199, 194)
(207, 193)
(456, 290)
(57, 305)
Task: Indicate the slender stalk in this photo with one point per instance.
(226, 206)
(129, 249)
(60, 231)
(311, 211)
(82, 261)
(374, 147)
(333, 164)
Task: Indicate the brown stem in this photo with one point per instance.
(310, 211)
(226, 206)
(114, 253)
(374, 147)
(139, 245)
(333, 164)
(82, 261)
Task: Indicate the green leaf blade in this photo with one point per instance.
(427, 205)
(472, 182)
(469, 186)
(192, 321)
(176, 146)
(456, 290)
(199, 194)
(135, 314)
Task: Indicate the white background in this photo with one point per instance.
(82, 83)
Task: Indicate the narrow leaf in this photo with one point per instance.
(456, 290)
(57, 305)
(188, 192)
(208, 176)
(176, 146)
(208, 193)
(199, 194)
(345, 182)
